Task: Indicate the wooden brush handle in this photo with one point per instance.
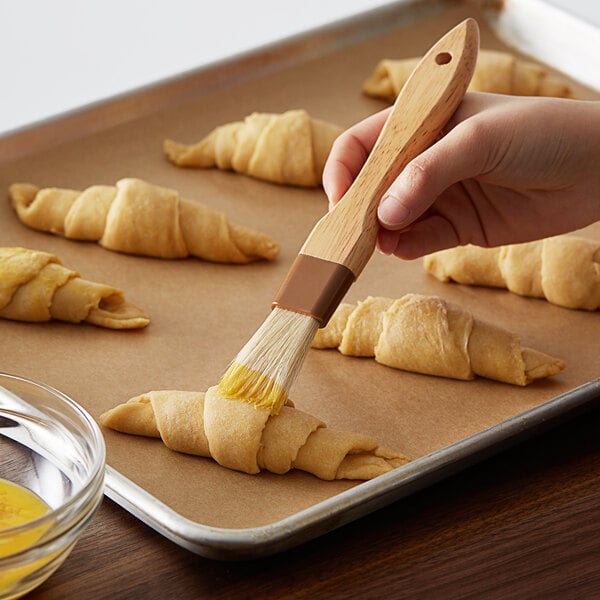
(347, 235)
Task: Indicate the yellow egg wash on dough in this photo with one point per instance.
(242, 383)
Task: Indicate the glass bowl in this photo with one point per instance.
(53, 448)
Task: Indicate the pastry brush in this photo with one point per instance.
(341, 243)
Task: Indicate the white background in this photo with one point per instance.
(57, 55)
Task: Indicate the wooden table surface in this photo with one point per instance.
(522, 524)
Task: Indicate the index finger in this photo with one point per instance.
(349, 153)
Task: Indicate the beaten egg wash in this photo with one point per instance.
(18, 506)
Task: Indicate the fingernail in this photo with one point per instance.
(392, 211)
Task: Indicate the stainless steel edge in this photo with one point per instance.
(551, 35)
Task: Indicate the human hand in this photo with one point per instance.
(507, 169)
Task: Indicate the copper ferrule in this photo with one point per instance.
(314, 286)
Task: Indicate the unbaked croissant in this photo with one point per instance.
(426, 334)
(140, 218)
(565, 270)
(245, 438)
(35, 286)
(289, 148)
(496, 72)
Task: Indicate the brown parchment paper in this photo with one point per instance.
(203, 313)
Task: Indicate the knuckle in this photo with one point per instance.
(416, 173)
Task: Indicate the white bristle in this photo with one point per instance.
(279, 346)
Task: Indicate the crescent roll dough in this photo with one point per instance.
(425, 334)
(497, 72)
(34, 286)
(565, 270)
(137, 217)
(289, 148)
(245, 438)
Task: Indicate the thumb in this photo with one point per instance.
(456, 156)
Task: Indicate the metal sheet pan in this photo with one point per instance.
(232, 543)
(248, 543)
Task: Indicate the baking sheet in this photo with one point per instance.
(203, 313)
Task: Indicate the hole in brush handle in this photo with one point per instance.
(443, 58)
